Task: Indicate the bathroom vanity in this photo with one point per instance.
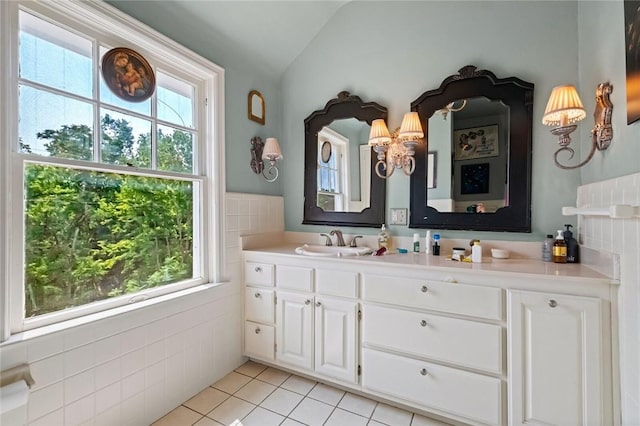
(514, 341)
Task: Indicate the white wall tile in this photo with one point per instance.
(79, 359)
(133, 362)
(44, 346)
(108, 349)
(109, 417)
(108, 397)
(155, 374)
(47, 371)
(45, 400)
(55, 418)
(133, 410)
(78, 386)
(132, 385)
(107, 373)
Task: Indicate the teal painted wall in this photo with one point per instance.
(241, 76)
(391, 52)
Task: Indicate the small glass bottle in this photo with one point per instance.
(547, 248)
(416, 243)
(559, 249)
(436, 245)
(384, 238)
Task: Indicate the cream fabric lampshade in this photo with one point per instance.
(271, 150)
(564, 107)
(379, 134)
(411, 129)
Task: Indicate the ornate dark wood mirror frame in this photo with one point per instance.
(343, 106)
(518, 96)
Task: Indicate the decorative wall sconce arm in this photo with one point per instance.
(396, 150)
(270, 152)
(565, 108)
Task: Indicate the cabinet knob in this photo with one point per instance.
(257, 295)
(258, 269)
(553, 303)
(423, 371)
(306, 302)
(424, 289)
(423, 323)
(318, 304)
(257, 330)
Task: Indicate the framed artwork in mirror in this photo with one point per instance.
(477, 142)
(256, 107)
(128, 74)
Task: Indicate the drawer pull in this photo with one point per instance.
(307, 302)
(553, 303)
(424, 289)
(423, 323)
(257, 295)
(318, 304)
(423, 371)
(258, 269)
(257, 330)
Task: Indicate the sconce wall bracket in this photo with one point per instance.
(601, 134)
(257, 146)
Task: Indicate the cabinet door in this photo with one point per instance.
(336, 338)
(294, 318)
(554, 359)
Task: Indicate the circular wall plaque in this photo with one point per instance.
(325, 152)
(128, 74)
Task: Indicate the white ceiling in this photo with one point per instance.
(273, 32)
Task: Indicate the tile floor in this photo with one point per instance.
(256, 395)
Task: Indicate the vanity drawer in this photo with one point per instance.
(258, 273)
(295, 278)
(259, 340)
(259, 304)
(337, 283)
(477, 301)
(468, 343)
(473, 396)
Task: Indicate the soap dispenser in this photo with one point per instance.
(573, 249)
(384, 238)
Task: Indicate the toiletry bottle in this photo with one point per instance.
(416, 243)
(427, 243)
(559, 248)
(573, 249)
(476, 252)
(547, 248)
(436, 245)
(384, 239)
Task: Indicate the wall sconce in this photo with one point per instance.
(565, 108)
(451, 108)
(269, 151)
(400, 145)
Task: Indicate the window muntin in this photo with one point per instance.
(204, 265)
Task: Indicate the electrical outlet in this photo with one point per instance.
(398, 217)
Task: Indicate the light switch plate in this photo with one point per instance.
(398, 217)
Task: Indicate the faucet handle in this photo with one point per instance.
(327, 241)
(353, 241)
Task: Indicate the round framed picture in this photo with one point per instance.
(325, 152)
(128, 74)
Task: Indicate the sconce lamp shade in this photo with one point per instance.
(379, 134)
(411, 128)
(271, 150)
(564, 107)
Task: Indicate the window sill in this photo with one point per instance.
(106, 314)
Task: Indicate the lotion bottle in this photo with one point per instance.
(427, 242)
(476, 252)
(559, 249)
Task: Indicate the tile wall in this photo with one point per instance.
(133, 368)
(621, 236)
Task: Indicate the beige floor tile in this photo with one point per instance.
(206, 400)
(282, 401)
(273, 376)
(326, 394)
(231, 410)
(374, 423)
(206, 421)
(255, 391)
(419, 420)
(298, 384)
(358, 404)
(289, 422)
(391, 415)
(231, 382)
(262, 417)
(178, 417)
(251, 368)
(311, 412)
(343, 418)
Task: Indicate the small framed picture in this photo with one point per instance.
(326, 152)
(128, 74)
(256, 107)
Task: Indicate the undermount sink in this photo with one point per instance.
(329, 251)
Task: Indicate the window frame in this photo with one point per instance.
(108, 26)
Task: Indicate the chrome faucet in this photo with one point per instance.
(327, 241)
(339, 238)
(353, 241)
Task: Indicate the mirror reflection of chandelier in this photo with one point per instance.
(396, 151)
(451, 108)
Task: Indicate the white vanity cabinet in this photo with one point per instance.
(555, 359)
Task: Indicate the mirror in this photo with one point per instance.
(256, 107)
(474, 172)
(339, 186)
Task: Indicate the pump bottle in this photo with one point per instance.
(476, 252)
(559, 249)
(573, 249)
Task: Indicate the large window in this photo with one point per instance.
(111, 201)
